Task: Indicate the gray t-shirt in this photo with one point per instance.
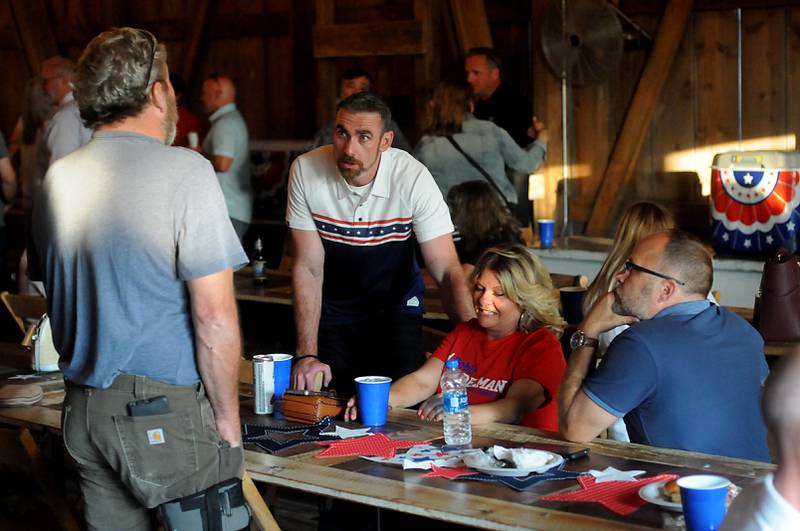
(121, 225)
(228, 137)
(65, 130)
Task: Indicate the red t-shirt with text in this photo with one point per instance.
(494, 365)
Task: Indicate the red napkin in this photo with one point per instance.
(449, 473)
(621, 497)
(378, 445)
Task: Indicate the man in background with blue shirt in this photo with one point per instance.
(227, 147)
(687, 374)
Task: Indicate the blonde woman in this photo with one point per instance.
(638, 221)
(510, 351)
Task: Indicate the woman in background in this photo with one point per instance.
(510, 351)
(481, 219)
(489, 146)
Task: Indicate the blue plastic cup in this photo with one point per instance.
(373, 399)
(546, 230)
(283, 372)
(703, 498)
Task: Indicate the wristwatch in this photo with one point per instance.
(579, 340)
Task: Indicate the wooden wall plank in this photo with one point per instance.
(327, 89)
(353, 40)
(623, 159)
(194, 41)
(34, 34)
(793, 72)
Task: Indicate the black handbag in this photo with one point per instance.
(776, 314)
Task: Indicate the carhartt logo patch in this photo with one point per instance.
(155, 436)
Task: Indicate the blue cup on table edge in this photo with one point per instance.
(283, 372)
(703, 498)
(372, 396)
(546, 230)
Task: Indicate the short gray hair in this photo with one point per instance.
(114, 75)
(688, 260)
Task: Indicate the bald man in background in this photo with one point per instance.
(774, 502)
(65, 131)
(226, 146)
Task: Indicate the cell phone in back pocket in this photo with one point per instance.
(157, 405)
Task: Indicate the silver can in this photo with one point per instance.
(263, 383)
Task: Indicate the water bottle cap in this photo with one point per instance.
(451, 364)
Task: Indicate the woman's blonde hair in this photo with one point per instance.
(639, 220)
(526, 283)
(446, 110)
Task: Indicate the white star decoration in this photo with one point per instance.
(748, 179)
(790, 226)
(725, 237)
(769, 239)
(747, 244)
(346, 433)
(612, 474)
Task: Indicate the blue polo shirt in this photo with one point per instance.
(690, 378)
(368, 232)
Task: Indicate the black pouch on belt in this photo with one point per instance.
(220, 507)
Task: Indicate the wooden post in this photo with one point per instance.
(195, 39)
(327, 91)
(471, 24)
(34, 34)
(625, 154)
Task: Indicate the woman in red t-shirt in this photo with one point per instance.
(510, 351)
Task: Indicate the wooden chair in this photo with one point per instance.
(22, 307)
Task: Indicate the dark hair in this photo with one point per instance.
(114, 74)
(353, 73)
(446, 112)
(491, 56)
(367, 102)
(688, 260)
(481, 216)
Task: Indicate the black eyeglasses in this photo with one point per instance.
(153, 47)
(630, 264)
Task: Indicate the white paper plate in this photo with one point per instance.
(553, 460)
(653, 493)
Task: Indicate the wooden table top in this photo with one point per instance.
(278, 290)
(481, 504)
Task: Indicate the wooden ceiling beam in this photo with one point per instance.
(358, 40)
(622, 163)
(654, 7)
(34, 34)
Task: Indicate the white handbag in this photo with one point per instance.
(45, 355)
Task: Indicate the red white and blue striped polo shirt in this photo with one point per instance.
(369, 238)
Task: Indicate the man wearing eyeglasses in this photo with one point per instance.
(687, 374)
(65, 131)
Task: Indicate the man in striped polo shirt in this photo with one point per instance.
(356, 210)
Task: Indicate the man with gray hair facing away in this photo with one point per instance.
(65, 131)
(137, 254)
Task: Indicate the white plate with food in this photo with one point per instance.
(655, 493)
(517, 462)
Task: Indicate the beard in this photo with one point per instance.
(171, 121)
(631, 306)
(349, 173)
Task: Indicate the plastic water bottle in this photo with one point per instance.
(457, 422)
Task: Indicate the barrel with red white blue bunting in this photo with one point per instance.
(754, 201)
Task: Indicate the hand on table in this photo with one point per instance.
(305, 370)
(432, 409)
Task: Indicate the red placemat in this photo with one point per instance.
(377, 445)
(621, 497)
(449, 473)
